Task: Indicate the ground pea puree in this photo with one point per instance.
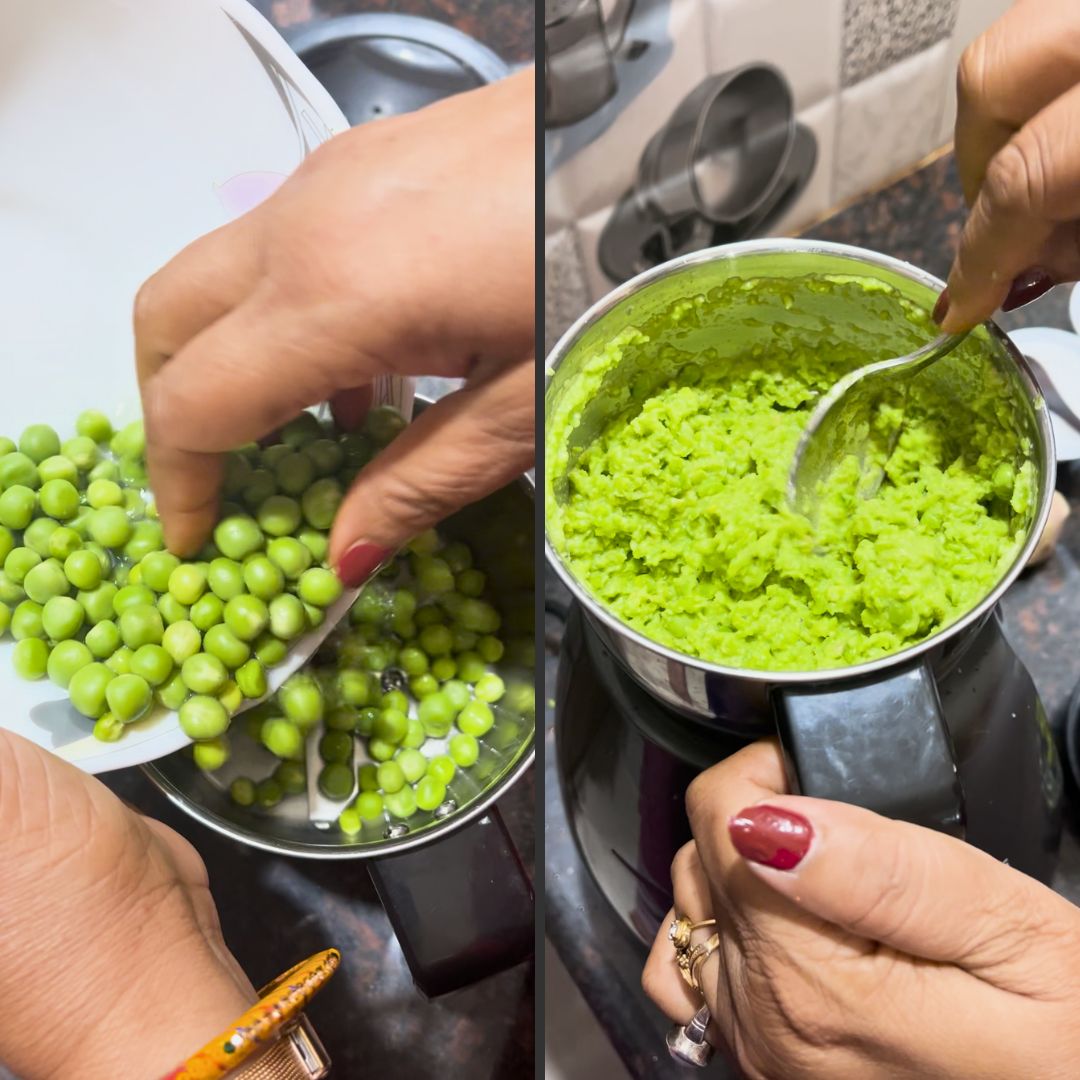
(674, 514)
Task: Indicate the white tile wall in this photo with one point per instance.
(801, 38)
(889, 121)
(816, 198)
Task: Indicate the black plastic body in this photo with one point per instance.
(625, 762)
(462, 909)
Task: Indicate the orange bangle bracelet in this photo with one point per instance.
(279, 1002)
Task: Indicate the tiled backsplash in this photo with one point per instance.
(873, 79)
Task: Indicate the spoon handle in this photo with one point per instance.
(941, 346)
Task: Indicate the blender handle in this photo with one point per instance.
(462, 908)
(880, 743)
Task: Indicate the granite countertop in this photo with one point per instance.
(918, 219)
(275, 910)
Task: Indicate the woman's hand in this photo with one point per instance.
(404, 247)
(1018, 154)
(856, 948)
(112, 962)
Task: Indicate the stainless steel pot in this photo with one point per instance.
(897, 756)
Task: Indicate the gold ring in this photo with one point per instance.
(680, 930)
(700, 954)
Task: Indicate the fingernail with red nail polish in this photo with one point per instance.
(1028, 286)
(360, 562)
(941, 308)
(771, 836)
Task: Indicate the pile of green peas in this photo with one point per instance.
(96, 604)
(403, 695)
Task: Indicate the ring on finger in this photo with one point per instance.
(698, 955)
(680, 930)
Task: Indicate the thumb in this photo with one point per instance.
(458, 450)
(917, 891)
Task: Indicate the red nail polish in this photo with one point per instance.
(941, 308)
(1028, 286)
(771, 836)
(360, 562)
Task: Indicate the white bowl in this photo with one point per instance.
(129, 128)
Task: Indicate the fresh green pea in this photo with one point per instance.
(221, 642)
(367, 777)
(442, 768)
(413, 661)
(187, 583)
(141, 625)
(282, 738)
(251, 678)
(17, 506)
(63, 541)
(87, 689)
(225, 578)
(242, 791)
(391, 777)
(294, 472)
(172, 611)
(133, 596)
(369, 806)
(422, 686)
(341, 718)
(37, 536)
(319, 587)
(62, 618)
(289, 556)
(476, 719)
(372, 606)
(432, 574)
(30, 658)
(263, 578)
(94, 425)
(381, 750)
(430, 793)
(105, 470)
(336, 780)
(103, 556)
(98, 603)
(129, 441)
(204, 673)
(38, 442)
(401, 804)
(349, 821)
(436, 714)
(146, 538)
(391, 726)
(173, 693)
(103, 639)
(83, 570)
(279, 515)
(489, 688)
(336, 746)
(394, 699)
(81, 450)
(58, 468)
(260, 486)
(207, 611)
(457, 556)
(470, 583)
(478, 616)
(5, 619)
(471, 668)
(301, 699)
(108, 728)
(428, 615)
(457, 693)
(46, 580)
(238, 536)
(19, 562)
(490, 649)
(203, 717)
(301, 430)
(152, 663)
(320, 503)
(7, 542)
(109, 526)
(120, 661)
(128, 697)
(26, 621)
(269, 651)
(383, 424)
(326, 455)
(315, 615)
(464, 749)
(315, 541)
(7, 446)
(451, 603)
(444, 668)
(18, 470)
(66, 658)
(246, 616)
(436, 640)
(354, 687)
(157, 568)
(358, 450)
(231, 697)
(412, 763)
(292, 776)
(211, 754)
(365, 721)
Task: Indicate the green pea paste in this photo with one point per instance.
(673, 512)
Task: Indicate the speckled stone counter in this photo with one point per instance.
(276, 910)
(917, 219)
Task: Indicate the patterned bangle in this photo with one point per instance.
(279, 1004)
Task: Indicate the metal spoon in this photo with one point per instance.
(840, 424)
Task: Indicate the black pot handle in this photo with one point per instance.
(880, 743)
(461, 907)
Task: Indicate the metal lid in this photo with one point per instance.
(379, 65)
